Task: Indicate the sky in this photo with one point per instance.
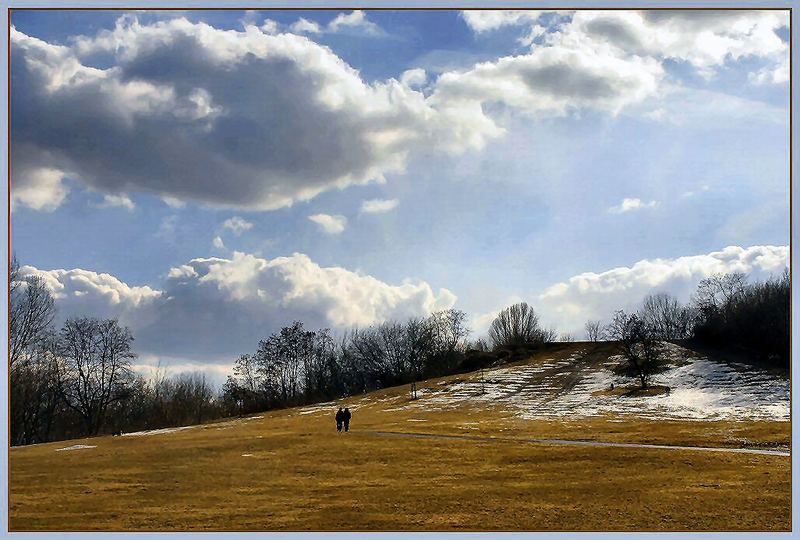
(207, 177)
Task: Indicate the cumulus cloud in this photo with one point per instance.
(303, 26)
(329, 224)
(774, 74)
(627, 205)
(414, 77)
(705, 39)
(218, 243)
(270, 27)
(212, 307)
(40, 188)
(85, 293)
(354, 20)
(237, 225)
(553, 80)
(590, 295)
(485, 20)
(243, 106)
(121, 201)
(379, 206)
(247, 106)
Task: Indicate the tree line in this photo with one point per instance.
(725, 312)
(79, 380)
(296, 366)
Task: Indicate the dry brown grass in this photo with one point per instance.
(302, 475)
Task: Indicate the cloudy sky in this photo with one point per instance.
(207, 177)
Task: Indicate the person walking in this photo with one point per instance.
(346, 416)
(339, 419)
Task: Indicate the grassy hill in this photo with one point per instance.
(476, 451)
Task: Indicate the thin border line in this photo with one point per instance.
(10, 11)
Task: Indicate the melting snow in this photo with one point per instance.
(156, 431)
(700, 389)
(76, 447)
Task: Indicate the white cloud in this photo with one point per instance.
(40, 188)
(270, 27)
(379, 206)
(214, 306)
(243, 106)
(414, 78)
(218, 243)
(552, 80)
(87, 293)
(485, 20)
(151, 365)
(173, 202)
(237, 224)
(628, 205)
(774, 74)
(122, 201)
(304, 26)
(329, 224)
(354, 20)
(704, 39)
(590, 295)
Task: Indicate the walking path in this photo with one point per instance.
(566, 442)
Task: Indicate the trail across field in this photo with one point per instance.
(567, 442)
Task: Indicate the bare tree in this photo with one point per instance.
(449, 331)
(96, 367)
(719, 290)
(642, 351)
(516, 326)
(34, 397)
(593, 330)
(666, 317)
(31, 312)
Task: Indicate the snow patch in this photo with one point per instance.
(76, 447)
(156, 431)
(700, 389)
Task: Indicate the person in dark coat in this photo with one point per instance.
(339, 419)
(347, 415)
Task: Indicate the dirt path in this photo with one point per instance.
(566, 442)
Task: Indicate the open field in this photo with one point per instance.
(290, 470)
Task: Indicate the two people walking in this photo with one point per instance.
(343, 419)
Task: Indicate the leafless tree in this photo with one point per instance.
(516, 326)
(31, 312)
(419, 336)
(96, 367)
(34, 396)
(593, 330)
(719, 290)
(642, 351)
(666, 316)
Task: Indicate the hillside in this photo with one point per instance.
(538, 444)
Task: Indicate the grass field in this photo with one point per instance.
(290, 470)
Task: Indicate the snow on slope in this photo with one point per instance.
(700, 388)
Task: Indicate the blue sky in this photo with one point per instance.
(190, 171)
